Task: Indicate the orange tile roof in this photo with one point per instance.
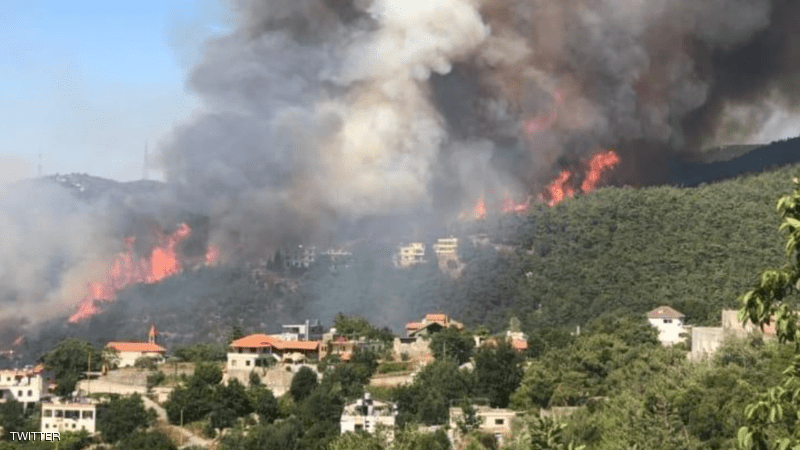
(665, 312)
(441, 318)
(415, 325)
(263, 340)
(136, 347)
(519, 344)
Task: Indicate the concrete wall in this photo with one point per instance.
(706, 341)
(416, 350)
(669, 330)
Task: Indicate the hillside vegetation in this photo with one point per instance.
(697, 249)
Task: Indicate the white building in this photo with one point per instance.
(128, 352)
(411, 254)
(253, 351)
(368, 415)
(446, 246)
(73, 415)
(311, 330)
(669, 323)
(23, 385)
(494, 421)
(300, 256)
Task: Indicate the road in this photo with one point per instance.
(187, 438)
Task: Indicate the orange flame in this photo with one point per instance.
(597, 165)
(163, 262)
(541, 123)
(212, 255)
(479, 211)
(509, 206)
(558, 190)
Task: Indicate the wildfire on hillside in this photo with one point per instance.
(564, 186)
(164, 260)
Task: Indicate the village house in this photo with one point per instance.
(344, 346)
(128, 352)
(432, 323)
(23, 385)
(410, 255)
(311, 330)
(73, 415)
(299, 256)
(494, 421)
(446, 250)
(252, 351)
(669, 324)
(367, 415)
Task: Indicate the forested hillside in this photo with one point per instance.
(697, 249)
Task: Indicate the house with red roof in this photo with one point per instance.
(252, 351)
(128, 352)
(430, 324)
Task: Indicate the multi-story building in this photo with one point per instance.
(410, 255)
(23, 385)
(367, 415)
(494, 421)
(336, 259)
(253, 351)
(446, 250)
(432, 323)
(299, 256)
(669, 323)
(311, 330)
(73, 415)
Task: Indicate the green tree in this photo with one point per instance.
(357, 441)
(771, 417)
(230, 402)
(12, 417)
(68, 360)
(146, 441)
(498, 372)
(451, 343)
(303, 384)
(264, 403)
(209, 374)
(201, 352)
(122, 416)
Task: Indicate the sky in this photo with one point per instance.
(89, 83)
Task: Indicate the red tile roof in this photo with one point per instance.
(440, 318)
(415, 325)
(263, 340)
(665, 312)
(143, 347)
(519, 344)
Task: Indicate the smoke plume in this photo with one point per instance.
(332, 111)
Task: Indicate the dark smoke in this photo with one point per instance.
(324, 114)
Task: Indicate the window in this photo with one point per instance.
(359, 427)
(667, 320)
(59, 413)
(47, 425)
(73, 425)
(19, 393)
(233, 362)
(247, 363)
(30, 393)
(72, 414)
(498, 421)
(48, 413)
(88, 414)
